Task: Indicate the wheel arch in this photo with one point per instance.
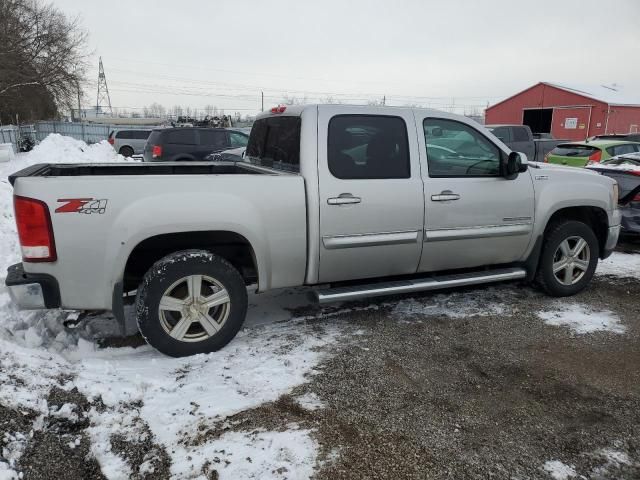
(230, 245)
(594, 216)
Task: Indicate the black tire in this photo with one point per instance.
(171, 269)
(126, 151)
(556, 235)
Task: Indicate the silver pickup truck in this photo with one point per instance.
(358, 201)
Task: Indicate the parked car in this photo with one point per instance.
(519, 138)
(580, 154)
(190, 143)
(630, 137)
(332, 194)
(625, 169)
(231, 155)
(128, 142)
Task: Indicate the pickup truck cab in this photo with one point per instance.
(361, 201)
(520, 139)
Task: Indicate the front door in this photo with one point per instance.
(371, 193)
(473, 215)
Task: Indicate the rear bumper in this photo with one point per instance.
(32, 291)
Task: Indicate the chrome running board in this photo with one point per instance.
(355, 292)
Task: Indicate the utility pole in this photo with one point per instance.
(262, 102)
(103, 90)
(384, 100)
(79, 110)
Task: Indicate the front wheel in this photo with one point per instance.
(191, 302)
(569, 258)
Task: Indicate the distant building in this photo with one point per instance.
(573, 112)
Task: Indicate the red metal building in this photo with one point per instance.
(571, 112)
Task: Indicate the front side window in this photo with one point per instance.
(238, 139)
(368, 147)
(455, 149)
(141, 134)
(213, 138)
(621, 149)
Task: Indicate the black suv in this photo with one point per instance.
(190, 143)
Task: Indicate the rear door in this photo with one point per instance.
(473, 215)
(180, 144)
(212, 141)
(371, 195)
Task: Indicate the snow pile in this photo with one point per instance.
(582, 320)
(27, 328)
(620, 265)
(559, 471)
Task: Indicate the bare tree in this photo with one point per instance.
(42, 57)
(293, 100)
(330, 100)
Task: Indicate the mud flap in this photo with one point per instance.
(125, 314)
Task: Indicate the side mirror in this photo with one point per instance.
(514, 165)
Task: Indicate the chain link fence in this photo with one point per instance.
(87, 132)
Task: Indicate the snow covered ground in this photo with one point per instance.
(134, 391)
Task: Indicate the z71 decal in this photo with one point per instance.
(82, 205)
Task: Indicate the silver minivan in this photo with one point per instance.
(128, 142)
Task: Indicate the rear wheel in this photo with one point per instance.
(126, 151)
(191, 302)
(569, 258)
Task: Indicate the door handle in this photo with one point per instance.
(445, 196)
(343, 199)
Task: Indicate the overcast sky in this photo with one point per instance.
(430, 53)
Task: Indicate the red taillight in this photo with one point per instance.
(111, 140)
(636, 198)
(595, 156)
(156, 151)
(34, 230)
(279, 109)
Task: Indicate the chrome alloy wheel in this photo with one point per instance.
(194, 308)
(571, 260)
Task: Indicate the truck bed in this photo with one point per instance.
(174, 168)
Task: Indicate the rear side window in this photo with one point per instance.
(275, 142)
(124, 134)
(568, 150)
(181, 137)
(520, 134)
(238, 139)
(213, 138)
(368, 147)
(154, 137)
